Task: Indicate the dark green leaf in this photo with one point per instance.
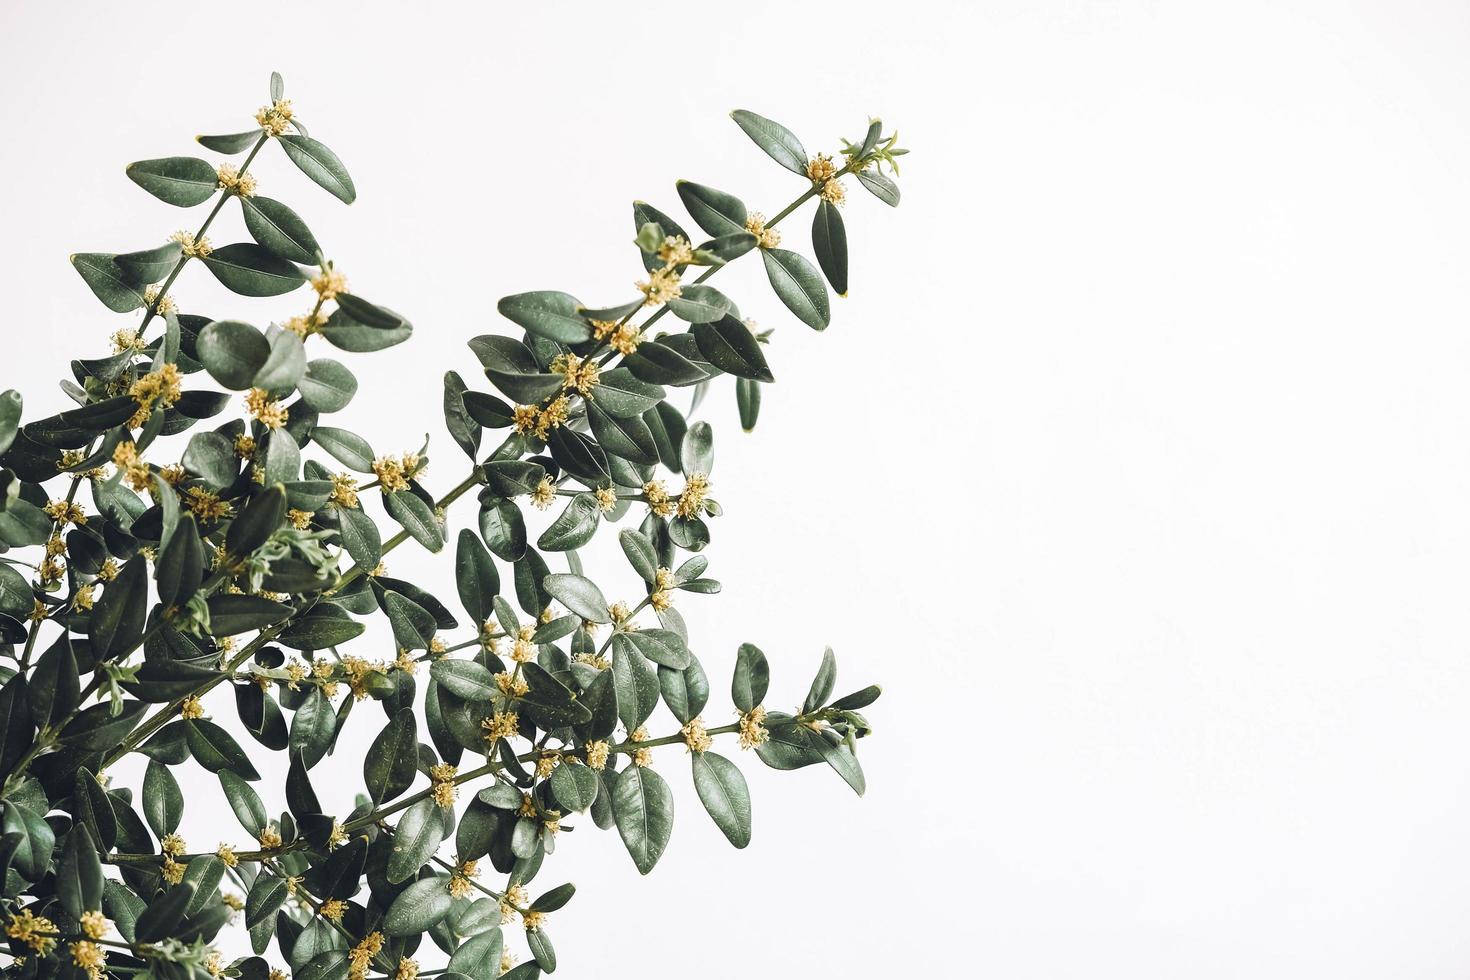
(731, 347)
(320, 164)
(644, 810)
(108, 282)
(724, 794)
(279, 229)
(252, 270)
(829, 241)
(390, 764)
(779, 142)
(181, 181)
(799, 286)
(715, 211)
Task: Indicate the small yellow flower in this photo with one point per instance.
(407, 969)
(155, 300)
(691, 501)
(834, 193)
(619, 613)
(544, 494)
(752, 730)
(275, 117)
(328, 283)
(214, 963)
(27, 927)
(89, 958)
(270, 837)
(305, 325)
(820, 168)
(696, 737)
(244, 446)
(546, 765)
(226, 854)
(93, 923)
(265, 409)
(191, 247)
(642, 758)
(514, 898)
(344, 490)
(333, 909)
(232, 900)
(338, 837)
(127, 339)
(300, 519)
(504, 724)
(361, 957)
(277, 975)
(507, 961)
(173, 845)
(445, 791)
(607, 498)
(578, 374)
(65, 512)
(191, 708)
(662, 596)
(755, 223)
(206, 504)
(173, 871)
(108, 571)
(525, 417)
(232, 181)
(661, 286)
(596, 754)
(511, 684)
(393, 473)
(658, 498)
(675, 250)
(173, 474)
(533, 920)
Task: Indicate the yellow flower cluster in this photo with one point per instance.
(274, 118)
(658, 499)
(622, 338)
(393, 474)
(344, 490)
(269, 837)
(596, 754)
(755, 223)
(820, 168)
(27, 927)
(65, 512)
(333, 909)
(90, 958)
(361, 957)
(190, 708)
(515, 897)
(328, 283)
(160, 304)
(227, 857)
(662, 598)
(234, 182)
(578, 374)
(691, 501)
(162, 388)
(544, 494)
(752, 728)
(305, 325)
(695, 736)
(445, 791)
(512, 684)
(266, 409)
(607, 498)
(661, 286)
(206, 504)
(642, 758)
(461, 879)
(504, 724)
(194, 248)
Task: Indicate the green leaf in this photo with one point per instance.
(636, 683)
(823, 683)
(215, 749)
(881, 187)
(181, 181)
(730, 346)
(752, 677)
(578, 594)
(347, 448)
(390, 764)
(232, 352)
(478, 956)
(94, 808)
(725, 796)
(278, 228)
(413, 625)
(574, 526)
(829, 241)
(163, 801)
(475, 576)
(640, 554)
(547, 313)
(246, 803)
(116, 624)
(549, 702)
(465, 678)
(79, 876)
(659, 363)
(643, 807)
(779, 142)
(799, 286)
(457, 418)
(620, 394)
(628, 438)
(320, 164)
(161, 918)
(233, 614)
(211, 457)
(700, 304)
(251, 270)
(715, 211)
(204, 873)
(409, 510)
(150, 265)
(664, 647)
(504, 529)
(415, 840)
(284, 366)
(697, 451)
(312, 728)
(344, 331)
(230, 143)
(418, 908)
(266, 895)
(108, 282)
(257, 521)
(360, 536)
(10, 411)
(748, 401)
(575, 787)
(326, 385)
(54, 688)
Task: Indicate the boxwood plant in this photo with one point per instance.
(176, 587)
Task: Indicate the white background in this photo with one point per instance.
(1135, 466)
